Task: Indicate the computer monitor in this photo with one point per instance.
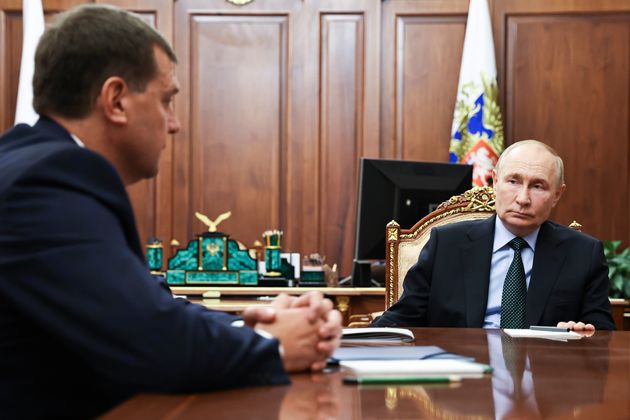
(399, 190)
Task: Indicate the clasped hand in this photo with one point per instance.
(576, 326)
(308, 328)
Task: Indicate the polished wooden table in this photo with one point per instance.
(587, 378)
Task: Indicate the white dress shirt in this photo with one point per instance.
(502, 255)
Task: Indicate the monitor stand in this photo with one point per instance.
(366, 273)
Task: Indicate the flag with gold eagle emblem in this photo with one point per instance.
(477, 132)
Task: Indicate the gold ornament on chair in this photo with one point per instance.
(212, 224)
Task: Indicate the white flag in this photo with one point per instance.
(477, 133)
(32, 29)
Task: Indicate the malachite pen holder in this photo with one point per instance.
(273, 247)
(155, 255)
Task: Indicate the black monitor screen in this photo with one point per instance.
(403, 191)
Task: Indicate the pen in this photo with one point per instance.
(402, 380)
(550, 329)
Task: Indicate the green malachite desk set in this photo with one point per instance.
(213, 259)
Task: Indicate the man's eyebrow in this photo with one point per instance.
(513, 175)
(539, 180)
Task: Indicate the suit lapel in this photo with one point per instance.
(548, 260)
(476, 258)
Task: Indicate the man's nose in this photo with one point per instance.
(173, 125)
(522, 198)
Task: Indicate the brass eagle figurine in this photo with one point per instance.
(212, 224)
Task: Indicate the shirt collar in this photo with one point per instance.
(77, 140)
(502, 236)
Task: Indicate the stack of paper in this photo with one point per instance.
(549, 335)
(372, 335)
(407, 370)
(392, 353)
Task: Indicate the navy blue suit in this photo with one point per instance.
(83, 325)
(448, 286)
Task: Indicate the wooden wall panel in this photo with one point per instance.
(11, 52)
(301, 213)
(341, 79)
(426, 85)
(341, 70)
(422, 48)
(238, 138)
(231, 152)
(567, 83)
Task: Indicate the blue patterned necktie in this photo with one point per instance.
(514, 289)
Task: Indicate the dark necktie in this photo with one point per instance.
(514, 289)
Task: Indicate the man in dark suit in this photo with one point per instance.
(83, 325)
(469, 274)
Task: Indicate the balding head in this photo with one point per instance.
(528, 182)
(559, 165)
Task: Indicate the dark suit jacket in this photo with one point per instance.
(83, 325)
(448, 286)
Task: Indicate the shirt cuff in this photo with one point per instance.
(239, 323)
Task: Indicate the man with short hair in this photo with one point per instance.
(514, 269)
(84, 325)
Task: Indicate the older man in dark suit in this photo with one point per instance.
(83, 324)
(514, 269)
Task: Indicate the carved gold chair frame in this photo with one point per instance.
(404, 245)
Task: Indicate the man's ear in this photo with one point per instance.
(112, 100)
(559, 193)
(494, 177)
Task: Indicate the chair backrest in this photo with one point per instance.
(403, 246)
